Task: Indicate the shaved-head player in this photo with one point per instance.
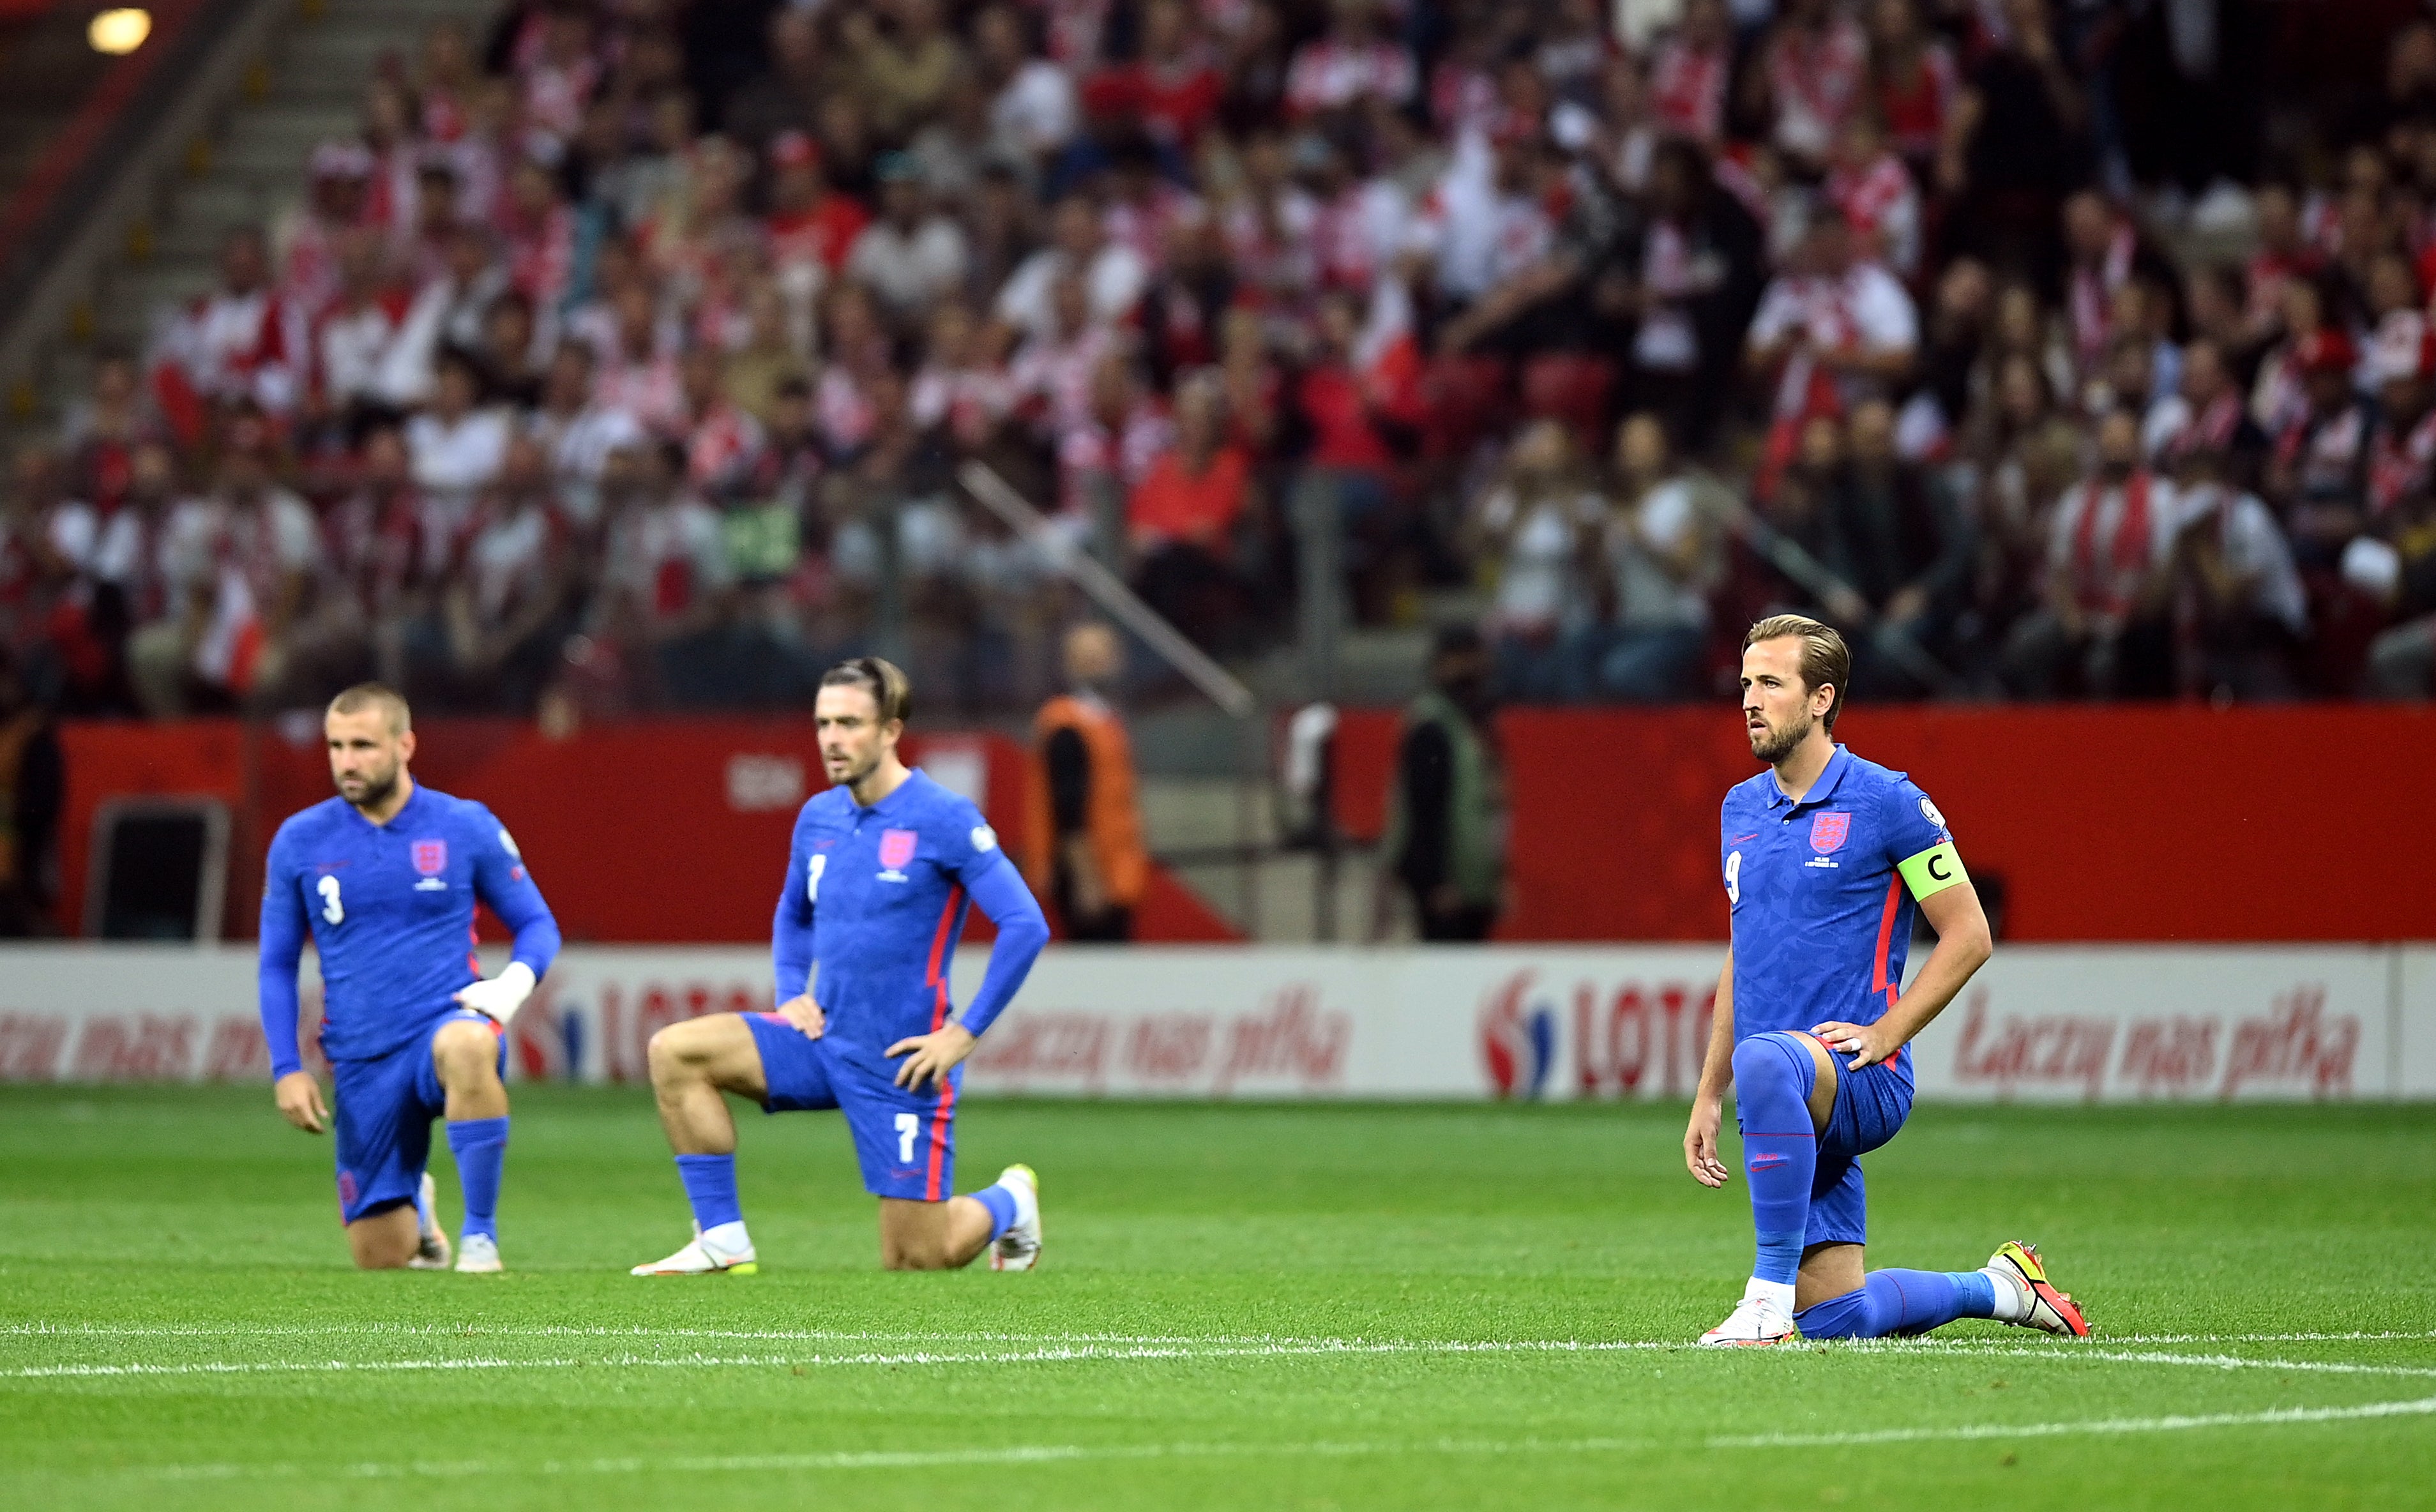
(383, 878)
(1825, 858)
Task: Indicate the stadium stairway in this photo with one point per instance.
(306, 86)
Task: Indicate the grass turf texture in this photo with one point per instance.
(1240, 1306)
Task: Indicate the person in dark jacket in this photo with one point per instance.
(1446, 817)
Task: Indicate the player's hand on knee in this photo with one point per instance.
(298, 1095)
(1700, 1144)
(804, 1014)
(1866, 1044)
(930, 1057)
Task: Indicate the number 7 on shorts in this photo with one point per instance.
(908, 1125)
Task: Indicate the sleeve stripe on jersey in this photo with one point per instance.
(1933, 870)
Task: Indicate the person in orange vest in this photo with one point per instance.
(1084, 843)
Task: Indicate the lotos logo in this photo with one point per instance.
(896, 848)
(1517, 1044)
(1827, 831)
(431, 856)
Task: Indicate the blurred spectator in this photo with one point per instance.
(455, 445)
(1088, 856)
(913, 255)
(2104, 629)
(2236, 587)
(1183, 520)
(1664, 548)
(1539, 527)
(32, 789)
(239, 565)
(1445, 840)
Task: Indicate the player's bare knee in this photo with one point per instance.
(673, 1057)
(466, 1052)
(378, 1245)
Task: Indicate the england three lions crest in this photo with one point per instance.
(1827, 832)
(430, 856)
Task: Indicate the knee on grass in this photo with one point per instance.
(919, 1256)
(383, 1242)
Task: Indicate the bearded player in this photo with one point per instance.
(884, 868)
(1826, 855)
(384, 877)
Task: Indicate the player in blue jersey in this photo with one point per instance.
(882, 870)
(385, 876)
(1825, 858)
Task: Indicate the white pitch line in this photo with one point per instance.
(1134, 1354)
(453, 1330)
(1045, 1356)
(2419, 1407)
(433, 1331)
(1072, 1453)
(561, 1330)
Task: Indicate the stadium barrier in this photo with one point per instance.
(2050, 1023)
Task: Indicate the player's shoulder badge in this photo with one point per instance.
(985, 838)
(508, 843)
(1928, 811)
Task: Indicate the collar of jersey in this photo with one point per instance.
(888, 804)
(403, 809)
(1824, 789)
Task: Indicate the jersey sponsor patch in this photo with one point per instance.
(430, 856)
(1827, 831)
(897, 848)
(985, 838)
(1933, 870)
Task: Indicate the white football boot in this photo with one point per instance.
(1018, 1248)
(1755, 1320)
(432, 1252)
(701, 1256)
(479, 1255)
(2041, 1305)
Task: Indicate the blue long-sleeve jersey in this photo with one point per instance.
(390, 909)
(877, 898)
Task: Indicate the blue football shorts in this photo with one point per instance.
(1871, 1107)
(385, 1110)
(905, 1141)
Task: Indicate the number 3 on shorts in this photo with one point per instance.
(908, 1125)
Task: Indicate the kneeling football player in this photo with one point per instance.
(884, 868)
(385, 876)
(1825, 857)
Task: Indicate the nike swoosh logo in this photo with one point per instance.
(1753, 835)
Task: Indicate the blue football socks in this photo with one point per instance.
(1001, 1204)
(1773, 1077)
(481, 1146)
(710, 1186)
(1892, 1302)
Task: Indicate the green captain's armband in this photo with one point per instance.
(1933, 870)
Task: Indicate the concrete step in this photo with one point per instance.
(319, 63)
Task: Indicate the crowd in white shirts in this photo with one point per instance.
(626, 359)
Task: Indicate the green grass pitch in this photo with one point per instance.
(1242, 1307)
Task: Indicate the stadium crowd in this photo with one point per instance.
(626, 359)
